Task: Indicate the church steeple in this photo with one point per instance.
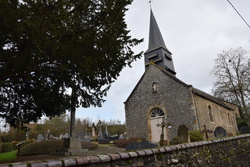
(157, 51)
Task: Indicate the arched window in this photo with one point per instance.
(210, 113)
(156, 112)
(154, 87)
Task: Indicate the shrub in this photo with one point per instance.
(6, 147)
(26, 142)
(45, 147)
(13, 135)
(195, 136)
(241, 122)
(175, 140)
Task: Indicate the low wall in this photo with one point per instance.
(233, 151)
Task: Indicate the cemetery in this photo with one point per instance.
(95, 139)
(168, 122)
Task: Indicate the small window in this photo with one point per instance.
(156, 112)
(221, 114)
(154, 87)
(210, 113)
(229, 120)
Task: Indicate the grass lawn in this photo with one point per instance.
(8, 156)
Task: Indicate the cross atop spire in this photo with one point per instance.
(150, 3)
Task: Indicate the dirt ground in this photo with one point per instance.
(99, 150)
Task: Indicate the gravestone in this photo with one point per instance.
(61, 136)
(27, 135)
(220, 132)
(140, 145)
(65, 136)
(99, 128)
(183, 134)
(47, 135)
(245, 130)
(40, 138)
(121, 136)
(87, 138)
(106, 130)
(100, 131)
(102, 140)
(93, 130)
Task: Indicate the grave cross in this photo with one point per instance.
(206, 131)
(163, 124)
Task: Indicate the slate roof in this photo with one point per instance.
(155, 38)
(209, 97)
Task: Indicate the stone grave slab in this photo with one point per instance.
(140, 145)
(220, 132)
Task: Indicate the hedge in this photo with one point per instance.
(6, 147)
(45, 147)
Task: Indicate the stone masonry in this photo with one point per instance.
(172, 96)
(233, 151)
(181, 103)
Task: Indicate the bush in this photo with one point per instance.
(195, 136)
(175, 140)
(6, 147)
(241, 122)
(45, 147)
(13, 135)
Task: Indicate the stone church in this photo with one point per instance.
(160, 95)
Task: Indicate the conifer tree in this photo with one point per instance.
(60, 55)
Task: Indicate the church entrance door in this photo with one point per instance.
(156, 116)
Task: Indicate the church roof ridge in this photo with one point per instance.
(195, 90)
(210, 97)
(155, 36)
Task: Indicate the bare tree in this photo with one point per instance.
(232, 73)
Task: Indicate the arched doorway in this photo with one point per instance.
(156, 116)
(183, 134)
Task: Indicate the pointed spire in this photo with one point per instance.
(157, 51)
(155, 37)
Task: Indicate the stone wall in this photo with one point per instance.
(221, 117)
(233, 151)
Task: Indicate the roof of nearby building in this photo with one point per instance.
(211, 98)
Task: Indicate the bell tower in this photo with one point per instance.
(157, 51)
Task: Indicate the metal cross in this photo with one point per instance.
(163, 124)
(206, 131)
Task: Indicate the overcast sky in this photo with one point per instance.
(195, 31)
